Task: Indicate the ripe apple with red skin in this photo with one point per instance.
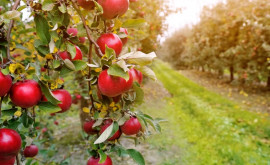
(30, 151)
(112, 41)
(10, 144)
(113, 8)
(107, 123)
(124, 40)
(131, 126)
(137, 75)
(5, 84)
(82, 39)
(72, 31)
(63, 96)
(56, 122)
(44, 130)
(25, 94)
(66, 55)
(86, 4)
(8, 162)
(113, 86)
(94, 161)
(88, 127)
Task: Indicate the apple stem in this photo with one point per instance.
(17, 160)
(14, 7)
(1, 100)
(86, 27)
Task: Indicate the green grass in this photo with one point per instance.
(206, 128)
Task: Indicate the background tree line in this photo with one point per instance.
(231, 37)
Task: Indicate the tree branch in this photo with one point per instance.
(14, 7)
(88, 32)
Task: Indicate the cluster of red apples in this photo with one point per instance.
(10, 145)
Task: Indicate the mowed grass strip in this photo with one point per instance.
(206, 127)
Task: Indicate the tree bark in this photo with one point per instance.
(268, 82)
(231, 73)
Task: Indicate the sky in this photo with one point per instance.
(189, 15)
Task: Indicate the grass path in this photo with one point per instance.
(204, 127)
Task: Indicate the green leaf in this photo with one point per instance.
(102, 157)
(48, 107)
(116, 70)
(71, 49)
(43, 50)
(62, 8)
(56, 64)
(147, 72)
(42, 29)
(25, 120)
(5, 71)
(139, 94)
(14, 14)
(79, 65)
(69, 64)
(9, 112)
(136, 156)
(99, 8)
(109, 132)
(139, 58)
(134, 23)
(48, 94)
(48, 5)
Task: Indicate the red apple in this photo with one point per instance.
(10, 144)
(113, 86)
(44, 130)
(88, 127)
(113, 8)
(43, 69)
(131, 126)
(124, 40)
(8, 162)
(107, 123)
(94, 161)
(25, 94)
(137, 75)
(72, 31)
(66, 55)
(86, 4)
(30, 151)
(82, 39)
(56, 122)
(112, 41)
(65, 98)
(5, 83)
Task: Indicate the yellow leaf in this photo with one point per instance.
(98, 70)
(49, 57)
(18, 68)
(18, 113)
(98, 105)
(115, 108)
(90, 92)
(55, 50)
(112, 104)
(86, 110)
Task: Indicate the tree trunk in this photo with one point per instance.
(231, 73)
(268, 82)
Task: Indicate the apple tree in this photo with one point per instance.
(82, 40)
